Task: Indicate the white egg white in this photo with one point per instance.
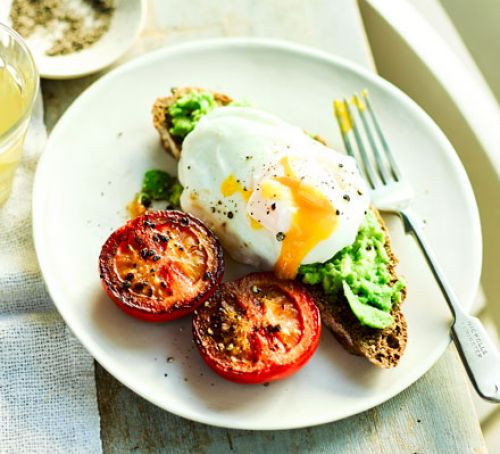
(246, 147)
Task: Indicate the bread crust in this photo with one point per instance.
(161, 119)
(384, 348)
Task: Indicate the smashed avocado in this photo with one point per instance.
(157, 185)
(361, 273)
(188, 110)
(366, 314)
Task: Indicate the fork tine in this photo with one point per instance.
(344, 125)
(384, 175)
(370, 173)
(394, 167)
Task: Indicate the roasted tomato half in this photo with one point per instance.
(257, 329)
(161, 266)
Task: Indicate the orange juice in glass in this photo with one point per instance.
(18, 89)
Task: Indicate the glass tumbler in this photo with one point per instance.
(18, 88)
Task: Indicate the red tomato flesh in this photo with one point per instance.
(161, 266)
(257, 329)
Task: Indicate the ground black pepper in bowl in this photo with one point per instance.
(62, 26)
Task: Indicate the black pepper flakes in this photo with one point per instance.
(139, 287)
(273, 206)
(271, 329)
(337, 212)
(280, 236)
(230, 214)
(346, 197)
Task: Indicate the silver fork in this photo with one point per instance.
(391, 192)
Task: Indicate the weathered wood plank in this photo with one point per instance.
(433, 416)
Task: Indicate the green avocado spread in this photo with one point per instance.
(361, 273)
(188, 110)
(157, 185)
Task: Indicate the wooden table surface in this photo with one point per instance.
(435, 415)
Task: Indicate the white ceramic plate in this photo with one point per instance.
(125, 26)
(94, 164)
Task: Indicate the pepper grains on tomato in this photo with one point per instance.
(161, 266)
(257, 329)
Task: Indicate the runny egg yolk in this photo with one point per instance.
(231, 186)
(314, 220)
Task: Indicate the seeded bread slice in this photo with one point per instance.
(162, 121)
(383, 348)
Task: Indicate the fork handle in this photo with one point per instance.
(479, 354)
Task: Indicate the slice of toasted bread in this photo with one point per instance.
(162, 121)
(383, 348)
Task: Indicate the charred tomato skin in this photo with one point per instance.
(242, 296)
(140, 231)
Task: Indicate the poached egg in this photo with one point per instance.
(274, 196)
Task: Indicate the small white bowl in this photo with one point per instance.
(126, 24)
